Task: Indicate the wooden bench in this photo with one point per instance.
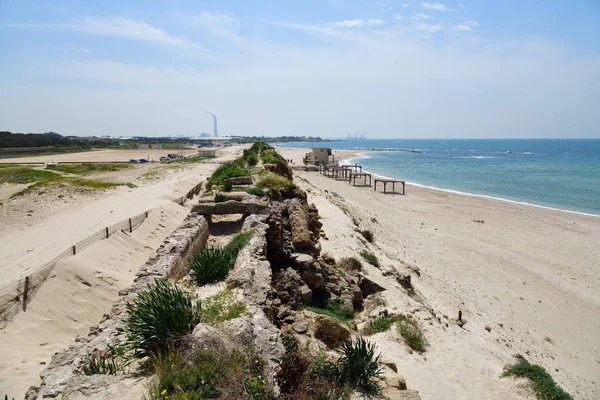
(354, 175)
(392, 181)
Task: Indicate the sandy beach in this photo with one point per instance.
(529, 275)
(82, 288)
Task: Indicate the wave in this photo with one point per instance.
(481, 196)
(477, 157)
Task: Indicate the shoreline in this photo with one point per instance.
(476, 195)
(525, 278)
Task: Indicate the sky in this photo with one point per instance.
(329, 68)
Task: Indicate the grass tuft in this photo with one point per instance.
(370, 258)
(412, 335)
(336, 309)
(221, 307)
(229, 170)
(158, 316)
(542, 383)
(380, 324)
(368, 235)
(211, 265)
(220, 198)
(359, 366)
(25, 175)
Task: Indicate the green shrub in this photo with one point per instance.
(220, 198)
(370, 258)
(228, 170)
(411, 334)
(227, 186)
(209, 373)
(359, 365)
(336, 309)
(275, 182)
(239, 242)
(542, 383)
(380, 324)
(252, 160)
(158, 316)
(256, 192)
(112, 362)
(221, 307)
(211, 265)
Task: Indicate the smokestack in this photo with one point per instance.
(215, 133)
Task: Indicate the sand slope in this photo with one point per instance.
(79, 291)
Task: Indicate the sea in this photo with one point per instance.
(557, 174)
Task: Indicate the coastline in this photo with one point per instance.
(529, 274)
(362, 154)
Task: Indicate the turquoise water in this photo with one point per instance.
(562, 174)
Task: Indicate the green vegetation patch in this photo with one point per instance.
(89, 168)
(229, 170)
(336, 309)
(75, 182)
(213, 264)
(412, 335)
(359, 365)
(382, 323)
(25, 175)
(159, 316)
(221, 307)
(272, 181)
(542, 383)
(370, 258)
(209, 373)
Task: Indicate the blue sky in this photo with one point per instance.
(401, 69)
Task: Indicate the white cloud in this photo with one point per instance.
(355, 23)
(126, 28)
(399, 17)
(465, 26)
(426, 28)
(221, 25)
(461, 28)
(404, 5)
(375, 22)
(352, 23)
(420, 17)
(435, 6)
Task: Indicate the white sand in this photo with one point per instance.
(57, 228)
(535, 271)
(79, 291)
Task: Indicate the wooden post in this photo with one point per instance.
(25, 291)
(74, 250)
(460, 315)
(130, 226)
(146, 214)
(106, 232)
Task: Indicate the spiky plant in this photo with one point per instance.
(211, 265)
(359, 365)
(158, 316)
(220, 198)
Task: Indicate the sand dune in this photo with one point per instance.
(78, 292)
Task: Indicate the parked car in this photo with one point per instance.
(164, 159)
(143, 160)
(133, 160)
(173, 156)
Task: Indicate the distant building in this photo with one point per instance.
(206, 153)
(322, 155)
